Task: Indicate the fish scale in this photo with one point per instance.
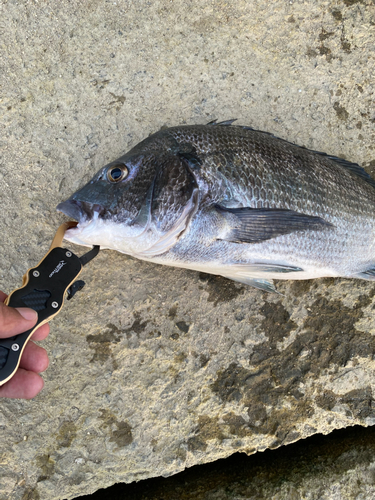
(232, 201)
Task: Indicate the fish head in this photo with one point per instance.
(139, 204)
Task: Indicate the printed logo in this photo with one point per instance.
(59, 266)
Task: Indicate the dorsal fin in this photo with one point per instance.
(353, 167)
(225, 123)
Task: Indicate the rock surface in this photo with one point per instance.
(155, 369)
(338, 466)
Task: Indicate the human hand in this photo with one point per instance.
(26, 383)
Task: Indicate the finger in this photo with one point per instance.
(14, 321)
(24, 385)
(41, 333)
(34, 358)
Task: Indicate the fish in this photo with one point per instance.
(234, 201)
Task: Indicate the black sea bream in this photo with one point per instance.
(232, 201)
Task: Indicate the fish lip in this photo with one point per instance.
(81, 211)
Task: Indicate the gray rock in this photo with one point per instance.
(156, 369)
(337, 466)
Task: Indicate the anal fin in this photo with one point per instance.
(269, 268)
(369, 275)
(261, 284)
(251, 274)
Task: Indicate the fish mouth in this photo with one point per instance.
(87, 215)
(81, 211)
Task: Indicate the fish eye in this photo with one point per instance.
(117, 173)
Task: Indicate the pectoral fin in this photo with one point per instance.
(253, 225)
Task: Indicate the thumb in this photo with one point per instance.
(14, 321)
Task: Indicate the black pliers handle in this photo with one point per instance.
(43, 289)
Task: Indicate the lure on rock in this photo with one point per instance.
(232, 201)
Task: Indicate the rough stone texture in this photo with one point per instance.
(335, 467)
(155, 369)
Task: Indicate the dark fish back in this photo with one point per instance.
(258, 170)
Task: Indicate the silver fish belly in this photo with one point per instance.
(232, 201)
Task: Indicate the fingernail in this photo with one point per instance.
(27, 313)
